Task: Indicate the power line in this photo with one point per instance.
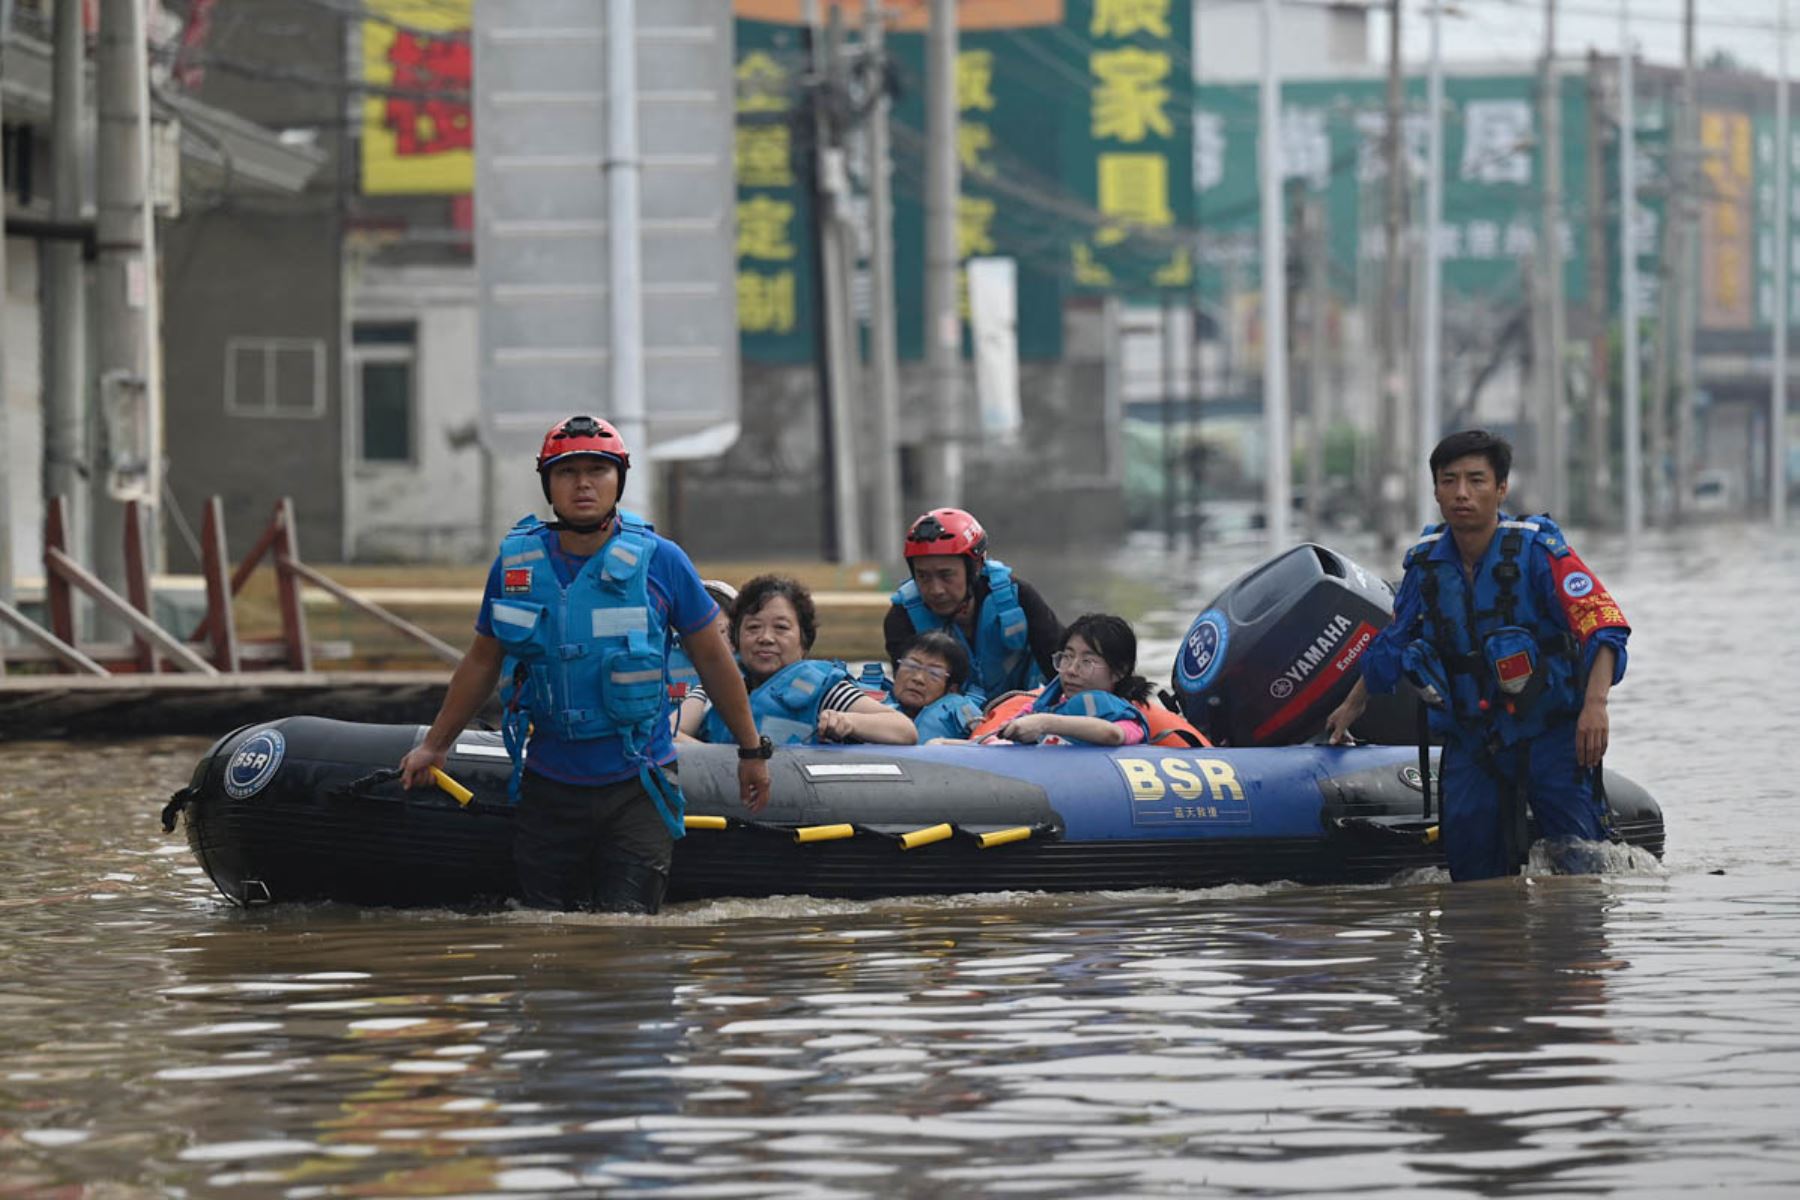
(1612, 14)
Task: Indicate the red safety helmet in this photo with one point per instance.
(947, 531)
(582, 435)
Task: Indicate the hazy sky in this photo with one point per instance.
(1490, 29)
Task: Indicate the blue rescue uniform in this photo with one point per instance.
(1000, 657)
(1502, 655)
(585, 694)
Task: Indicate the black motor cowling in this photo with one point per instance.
(1276, 651)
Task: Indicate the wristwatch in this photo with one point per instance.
(764, 748)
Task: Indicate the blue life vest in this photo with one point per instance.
(1091, 703)
(586, 661)
(1511, 666)
(874, 680)
(786, 705)
(1000, 659)
(951, 715)
(683, 678)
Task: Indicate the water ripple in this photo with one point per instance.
(1636, 1032)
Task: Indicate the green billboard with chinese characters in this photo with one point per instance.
(1074, 139)
(1333, 145)
(774, 210)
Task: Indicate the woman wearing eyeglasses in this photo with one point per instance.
(1097, 697)
(929, 677)
(1091, 699)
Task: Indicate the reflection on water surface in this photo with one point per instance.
(1639, 1031)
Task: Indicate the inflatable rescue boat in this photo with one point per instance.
(311, 809)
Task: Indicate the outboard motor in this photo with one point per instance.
(1276, 651)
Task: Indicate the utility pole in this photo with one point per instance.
(66, 453)
(1430, 410)
(1778, 441)
(1599, 462)
(831, 192)
(1318, 365)
(1194, 458)
(1171, 495)
(6, 441)
(625, 305)
(943, 473)
(884, 353)
(125, 271)
(1550, 465)
(1662, 353)
(1231, 369)
(1628, 278)
(1688, 319)
(1277, 485)
(1391, 476)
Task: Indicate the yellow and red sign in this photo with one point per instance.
(418, 132)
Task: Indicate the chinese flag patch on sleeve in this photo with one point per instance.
(518, 579)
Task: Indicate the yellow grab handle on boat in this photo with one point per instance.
(924, 837)
(823, 833)
(1431, 835)
(1001, 837)
(693, 822)
(455, 790)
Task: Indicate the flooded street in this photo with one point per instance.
(1637, 1032)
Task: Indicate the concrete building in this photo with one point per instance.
(425, 491)
(210, 160)
(253, 332)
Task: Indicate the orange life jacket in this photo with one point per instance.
(1005, 709)
(1166, 728)
(1169, 728)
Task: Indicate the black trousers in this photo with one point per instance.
(596, 849)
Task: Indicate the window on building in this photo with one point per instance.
(274, 377)
(385, 357)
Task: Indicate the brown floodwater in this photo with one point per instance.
(1634, 1032)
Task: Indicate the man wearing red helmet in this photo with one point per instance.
(1006, 626)
(578, 618)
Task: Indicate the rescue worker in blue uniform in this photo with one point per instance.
(1003, 623)
(577, 621)
(1514, 645)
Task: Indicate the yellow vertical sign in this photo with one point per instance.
(1727, 250)
(418, 125)
(768, 291)
(1131, 122)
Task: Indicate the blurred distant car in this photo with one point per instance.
(1715, 491)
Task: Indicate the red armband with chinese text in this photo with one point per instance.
(1587, 605)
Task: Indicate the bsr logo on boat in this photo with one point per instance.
(1203, 652)
(253, 764)
(1321, 649)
